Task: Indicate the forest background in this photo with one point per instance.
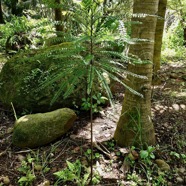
(89, 56)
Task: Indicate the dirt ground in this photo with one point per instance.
(169, 118)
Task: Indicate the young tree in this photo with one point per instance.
(135, 126)
(159, 35)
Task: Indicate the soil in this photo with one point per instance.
(169, 118)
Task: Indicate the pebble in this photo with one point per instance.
(179, 180)
(9, 130)
(20, 157)
(183, 106)
(176, 107)
(5, 180)
(162, 165)
(45, 183)
(182, 170)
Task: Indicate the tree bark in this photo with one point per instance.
(1, 15)
(159, 35)
(135, 126)
(184, 36)
(14, 8)
(58, 16)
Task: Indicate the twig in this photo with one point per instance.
(24, 151)
(15, 115)
(100, 149)
(3, 153)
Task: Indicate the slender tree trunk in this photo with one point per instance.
(184, 36)
(159, 35)
(135, 126)
(1, 14)
(58, 16)
(13, 7)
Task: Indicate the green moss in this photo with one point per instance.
(22, 76)
(39, 129)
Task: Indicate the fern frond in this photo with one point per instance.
(105, 85)
(115, 78)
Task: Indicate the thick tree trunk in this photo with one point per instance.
(159, 35)
(135, 126)
(1, 14)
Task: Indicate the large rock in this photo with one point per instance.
(22, 76)
(39, 129)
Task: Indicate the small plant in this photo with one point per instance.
(110, 145)
(141, 162)
(33, 162)
(75, 172)
(27, 170)
(147, 155)
(98, 100)
(135, 178)
(160, 180)
(88, 154)
(180, 156)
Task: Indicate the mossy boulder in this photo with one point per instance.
(35, 130)
(23, 74)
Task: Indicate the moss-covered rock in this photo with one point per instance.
(39, 129)
(22, 76)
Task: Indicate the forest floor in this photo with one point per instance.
(37, 166)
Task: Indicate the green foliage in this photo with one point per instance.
(173, 38)
(135, 125)
(147, 155)
(75, 173)
(144, 171)
(110, 144)
(34, 162)
(179, 156)
(21, 31)
(88, 154)
(27, 171)
(98, 100)
(12, 30)
(90, 55)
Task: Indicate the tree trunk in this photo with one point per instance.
(135, 126)
(1, 14)
(184, 36)
(159, 35)
(58, 16)
(13, 7)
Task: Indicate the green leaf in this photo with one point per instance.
(70, 166)
(60, 174)
(85, 178)
(150, 149)
(144, 154)
(97, 155)
(23, 179)
(88, 151)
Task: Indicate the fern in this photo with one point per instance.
(76, 57)
(81, 61)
